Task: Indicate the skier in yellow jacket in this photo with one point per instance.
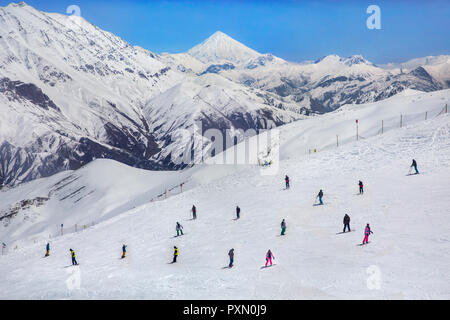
(74, 261)
(175, 254)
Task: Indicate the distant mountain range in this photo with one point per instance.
(71, 92)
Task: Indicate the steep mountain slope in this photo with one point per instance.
(312, 260)
(210, 102)
(81, 92)
(78, 89)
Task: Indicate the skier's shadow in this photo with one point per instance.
(264, 267)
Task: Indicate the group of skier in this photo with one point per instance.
(269, 255)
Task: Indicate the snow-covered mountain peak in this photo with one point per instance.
(220, 47)
(356, 59)
(349, 61)
(18, 4)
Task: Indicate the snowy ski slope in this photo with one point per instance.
(407, 257)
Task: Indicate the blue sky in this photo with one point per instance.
(293, 30)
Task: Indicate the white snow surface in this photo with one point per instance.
(408, 253)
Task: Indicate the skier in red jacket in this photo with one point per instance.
(367, 233)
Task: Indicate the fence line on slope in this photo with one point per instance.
(62, 230)
(392, 123)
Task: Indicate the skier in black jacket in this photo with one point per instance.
(231, 255)
(346, 222)
(238, 212)
(320, 195)
(361, 187)
(283, 227)
(179, 229)
(194, 212)
(47, 250)
(414, 164)
(286, 179)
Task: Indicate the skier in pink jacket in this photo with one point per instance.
(367, 233)
(269, 257)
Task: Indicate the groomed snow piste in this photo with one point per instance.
(407, 257)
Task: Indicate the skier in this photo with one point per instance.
(194, 212)
(361, 187)
(175, 254)
(238, 212)
(231, 255)
(346, 222)
(367, 233)
(47, 249)
(320, 195)
(286, 179)
(124, 251)
(414, 164)
(283, 227)
(179, 229)
(74, 261)
(269, 257)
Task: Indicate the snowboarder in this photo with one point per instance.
(346, 223)
(361, 187)
(47, 249)
(124, 251)
(175, 254)
(194, 212)
(269, 257)
(367, 233)
(231, 255)
(286, 179)
(320, 195)
(238, 212)
(414, 164)
(74, 261)
(283, 227)
(179, 229)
